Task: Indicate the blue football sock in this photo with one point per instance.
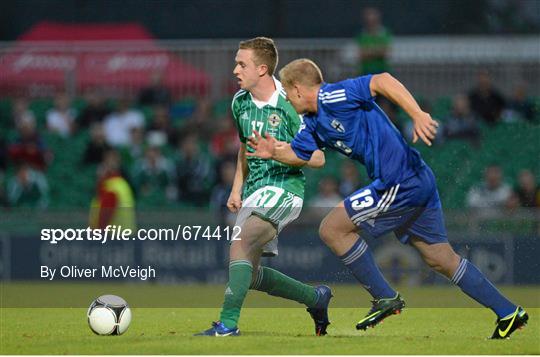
(476, 285)
(360, 262)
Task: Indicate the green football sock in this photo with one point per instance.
(240, 272)
(276, 283)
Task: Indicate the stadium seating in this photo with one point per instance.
(458, 165)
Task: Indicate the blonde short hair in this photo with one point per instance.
(301, 71)
(264, 50)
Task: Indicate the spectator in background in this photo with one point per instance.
(527, 190)
(21, 115)
(350, 179)
(328, 195)
(200, 121)
(512, 203)
(61, 119)
(520, 107)
(461, 124)
(114, 203)
(224, 144)
(119, 124)
(374, 43)
(3, 154)
(137, 145)
(391, 111)
(486, 102)
(3, 167)
(96, 148)
(492, 194)
(154, 176)
(28, 188)
(225, 139)
(95, 110)
(220, 194)
(194, 171)
(3, 198)
(161, 126)
(156, 93)
(29, 147)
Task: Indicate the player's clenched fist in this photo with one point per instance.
(234, 203)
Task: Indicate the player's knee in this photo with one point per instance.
(326, 232)
(257, 233)
(264, 233)
(330, 232)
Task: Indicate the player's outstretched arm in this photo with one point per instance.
(269, 148)
(425, 127)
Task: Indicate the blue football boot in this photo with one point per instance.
(319, 312)
(218, 329)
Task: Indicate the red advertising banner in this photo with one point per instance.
(58, 56)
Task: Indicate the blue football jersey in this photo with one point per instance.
(348, 120)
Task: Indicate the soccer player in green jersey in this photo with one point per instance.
(266, 194)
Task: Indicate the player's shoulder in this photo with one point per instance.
(346, 93)
(331, 93)
(239, 97)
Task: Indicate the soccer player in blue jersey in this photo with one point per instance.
(402, 196)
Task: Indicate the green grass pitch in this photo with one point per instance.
(283, 329)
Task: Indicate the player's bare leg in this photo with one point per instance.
(255, 233)
(337, 231)
(341, 236)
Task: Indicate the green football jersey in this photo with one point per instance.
(279, 119)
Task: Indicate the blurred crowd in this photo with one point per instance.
(494, 195)
(186, 153)
(183, 152)
(466, 112)
(168, 152)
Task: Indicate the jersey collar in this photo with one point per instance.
(273, 99)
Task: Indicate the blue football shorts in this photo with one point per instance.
(410, 208)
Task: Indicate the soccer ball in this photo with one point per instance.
(109, 315)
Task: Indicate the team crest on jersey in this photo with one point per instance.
(274, 119)
(341, 146)
(338, 126)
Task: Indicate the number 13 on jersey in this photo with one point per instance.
(362, 200)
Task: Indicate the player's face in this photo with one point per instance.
(246, 71)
